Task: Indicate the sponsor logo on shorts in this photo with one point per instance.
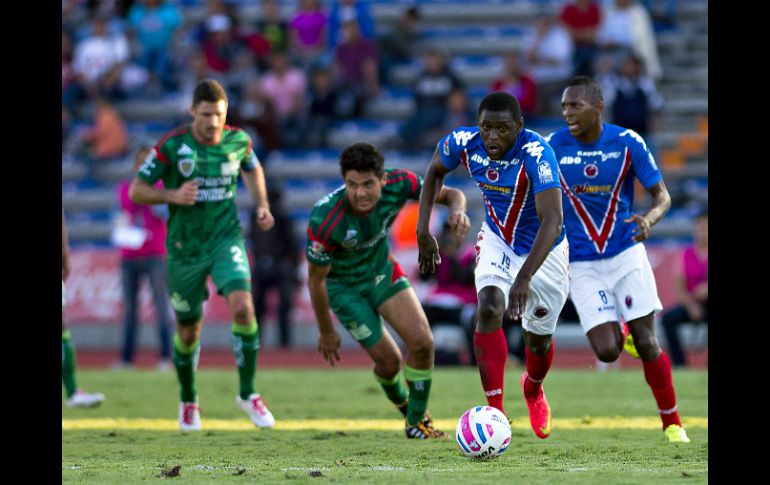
(629, 301)
(178, 303)
(541, 312)
(359, 332)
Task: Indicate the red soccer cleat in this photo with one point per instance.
(539, 411)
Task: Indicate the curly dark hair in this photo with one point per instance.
(362, 157)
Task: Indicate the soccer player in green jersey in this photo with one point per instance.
(199, 164)
(76, 397)
(353, 273)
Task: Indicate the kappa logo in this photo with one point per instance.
(534, 149)
(186, 166)
(184, 150)
(545, 173)
(462, 137)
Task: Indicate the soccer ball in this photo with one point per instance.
(483, 432)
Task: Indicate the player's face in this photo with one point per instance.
(363, 190)
(498, 131)
(209, 121)
(583, 118)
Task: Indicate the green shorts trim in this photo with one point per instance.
(228, 267)
(355, 304)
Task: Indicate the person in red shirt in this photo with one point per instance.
(582, 18)
(516, 82)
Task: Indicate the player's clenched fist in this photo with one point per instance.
(186, 193)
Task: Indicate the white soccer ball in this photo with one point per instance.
(483, 432)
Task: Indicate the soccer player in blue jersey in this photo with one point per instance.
(610, 276)
(521, 251)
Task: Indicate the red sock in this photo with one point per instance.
(658, 376)
(537, 368)
(491, 351)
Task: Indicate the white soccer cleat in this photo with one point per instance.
(189, 417)
(83, 399)
(257, 410)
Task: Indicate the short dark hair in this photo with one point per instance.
(501, 101)
(209, 90)
(362, 157)
(593, 91)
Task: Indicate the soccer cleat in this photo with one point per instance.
(424, 429)
(189, 416)
(539, 411)
(676, 434)
(402, 407)
(83, 399)
(630, 347)
(257, 410)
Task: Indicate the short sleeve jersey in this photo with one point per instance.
(598, 185)
(194, 231)
(508, 185)
(357, 246)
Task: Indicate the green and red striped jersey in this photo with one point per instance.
(358, 246)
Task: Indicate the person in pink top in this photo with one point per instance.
(141, 236)
(692, 289)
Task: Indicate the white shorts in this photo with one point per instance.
(497, 265)
(606, 290)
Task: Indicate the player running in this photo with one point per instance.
(353, 273)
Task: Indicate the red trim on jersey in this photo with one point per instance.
(601, 235)
(232, 128)
(181, 130)
(328, 216)
(464, 159)
(332, 226)
(403, 174)
(508, 226)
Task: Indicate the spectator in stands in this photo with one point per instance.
(286, 85)
(692, 287)
(196, 69)
(626, 27)
(76, 397)
(223, 43)
(548, 49)
(140, 233)
(431, 90)
(256, 113)
(106, 139)
(516, 82)
(308, 34)
(355, 66)
(154, 23)
(396, 46)
(272, 27)
(345, 10)
(324, 108)
(99, 62)
(275, 255)
(582, 19)
(632, 98)
(453, 296)
(71, 91)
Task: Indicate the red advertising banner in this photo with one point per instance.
(95, 295)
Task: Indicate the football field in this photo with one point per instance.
(336, 425)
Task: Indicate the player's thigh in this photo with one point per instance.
(593, 298)
(635, 289)
(187, 287)
(230, 269)
(405, 314)
(493, 263)
(350, 303)
(548, 291)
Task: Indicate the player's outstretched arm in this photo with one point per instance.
(432, 187)
(661, 203)
(328, 338)
(549, 212)
(143, 193)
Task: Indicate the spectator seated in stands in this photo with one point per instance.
(256, 114)
(692, 285)
(627, 27)
(548, 49)
(355, 67)
(431, 90)
(105, 140)
(396, 46)
(223, 42)
(344, 10)
(153, 23)
(516, 82)
(582, 19)
(308, 34)
(325, 108)
(272, 27)
(286, 86)
(631, 98)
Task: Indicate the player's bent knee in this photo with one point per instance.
(606, 353)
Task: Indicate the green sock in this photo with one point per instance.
(68, 363)
(246, 349)
(394, 388)
(419, 389)
(186, 362)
